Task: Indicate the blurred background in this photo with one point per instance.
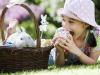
(46, 7)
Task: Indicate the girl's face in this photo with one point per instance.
(73, 25)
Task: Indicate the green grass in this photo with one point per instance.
(68, 70)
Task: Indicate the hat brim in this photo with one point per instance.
(68, 13)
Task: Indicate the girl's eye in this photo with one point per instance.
(71, 22)
(63, 19)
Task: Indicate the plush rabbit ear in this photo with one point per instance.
(45, 17)
(41, 16)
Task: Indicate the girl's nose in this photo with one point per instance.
(65, 25)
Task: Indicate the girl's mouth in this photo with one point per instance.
(72, 33)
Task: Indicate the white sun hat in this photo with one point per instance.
(82, 10)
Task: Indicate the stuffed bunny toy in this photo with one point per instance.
(20, 39)
(44, 23)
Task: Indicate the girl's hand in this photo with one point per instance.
(69, 44)
(56, 41)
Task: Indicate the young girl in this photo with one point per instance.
(83, 46)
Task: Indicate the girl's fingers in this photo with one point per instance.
(56, 39)
(70, 36)
(68, 39)
(63, 41)
(57, 42)
(63, 46)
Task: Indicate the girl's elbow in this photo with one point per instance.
(91, 62)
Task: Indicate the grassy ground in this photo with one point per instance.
(68, 70)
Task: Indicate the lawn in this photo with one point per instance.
(68, 70)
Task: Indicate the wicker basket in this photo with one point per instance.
(17, 59)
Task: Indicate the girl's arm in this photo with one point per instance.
(72, 48)
(59, 56)
(88, 60)
(82, 56)
(59, 52)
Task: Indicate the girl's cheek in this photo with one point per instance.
(66, 25)
(63, 23)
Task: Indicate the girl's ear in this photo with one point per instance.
(86, 26)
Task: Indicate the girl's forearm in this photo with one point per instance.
(59, 59)
(84, 58)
